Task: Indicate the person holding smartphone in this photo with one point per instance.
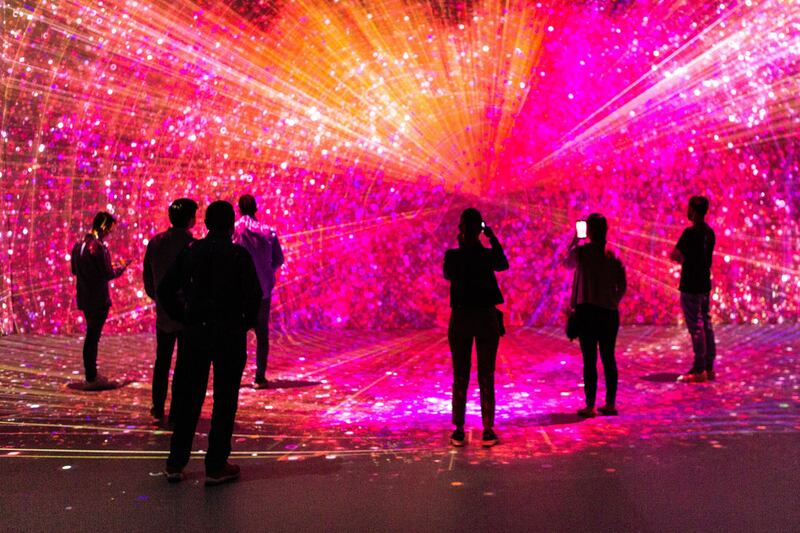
(474, 293)
(91, 264)
(598, 285)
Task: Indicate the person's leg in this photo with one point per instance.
(178, 376)
(262, 339)
(95, 320)
(691, 304)
(230, 357)
(711, 343)
(165, 344)
(588, 342)
(460, 340)
(487, 340)
(608, 342)
(193, 386)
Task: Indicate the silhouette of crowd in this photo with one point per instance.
(210, 292)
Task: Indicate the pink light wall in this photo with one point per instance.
(363, 128)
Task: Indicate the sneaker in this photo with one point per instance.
(489, 438)
(261, 384)
(711, 375)
(587, 412)
(608, 410)
(457, 438)
(174, 475)
(98, 383)
(225, 474)
(693, 377)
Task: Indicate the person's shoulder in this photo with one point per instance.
(191, 248)
(452, 252)
(239, 250)
(95, 245)
(157, 238)
(613, 256)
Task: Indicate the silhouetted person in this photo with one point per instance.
(694, 251)
(161, 252)
(92, 267)
(265, 249)
(213, 290)
(474, 293)
(598, 286)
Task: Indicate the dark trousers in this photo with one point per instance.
(226, 350)
(262, 338)
(698, 322)
(165, 345)
(598, 328)
(95, 320)
(481, 326)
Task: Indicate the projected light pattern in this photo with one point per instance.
(338, 393)
(363, 128)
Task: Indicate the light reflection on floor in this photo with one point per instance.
(344, 393)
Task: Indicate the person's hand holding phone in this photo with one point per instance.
(580, 229)
(488, 231)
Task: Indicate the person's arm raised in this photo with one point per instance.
(571, 259)
(499, 259)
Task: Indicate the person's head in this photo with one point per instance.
(470, 224)
(698, 207)
(220, 217)
(597, 228)
(182, 213)
(102, 224)
(247, 205)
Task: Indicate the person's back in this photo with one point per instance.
(470, 270)
(218, 284)
(261, 242)
(161, 253)
(600, 277)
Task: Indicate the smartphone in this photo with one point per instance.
(580, 229)
(483, 225)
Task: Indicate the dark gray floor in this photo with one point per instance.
(748, 483)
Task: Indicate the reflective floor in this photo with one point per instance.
(375, 408)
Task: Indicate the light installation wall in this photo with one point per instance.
(363, 128)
